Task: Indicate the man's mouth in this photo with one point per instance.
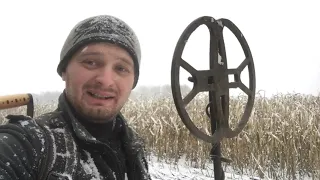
(99, 96)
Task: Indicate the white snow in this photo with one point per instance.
(67, 175)
(60, 130)
(220, 23)
(53, 146)
(165, 171)
(90, 167)
(220, 60)
(24, 123)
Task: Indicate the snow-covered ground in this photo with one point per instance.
(164, 171)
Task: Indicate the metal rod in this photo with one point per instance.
(216, 150)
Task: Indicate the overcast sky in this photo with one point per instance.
(283, 37)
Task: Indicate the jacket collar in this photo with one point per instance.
(131, 141)
(78, 128)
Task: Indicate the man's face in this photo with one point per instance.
(99, 79)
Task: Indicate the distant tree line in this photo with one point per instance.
(138, 92)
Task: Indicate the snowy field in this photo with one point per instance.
(163, 171)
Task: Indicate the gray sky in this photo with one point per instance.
(283, 37)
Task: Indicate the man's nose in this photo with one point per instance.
(107, 76)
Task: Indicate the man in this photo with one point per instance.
(86, 137)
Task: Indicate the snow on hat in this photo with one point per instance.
(102, 28)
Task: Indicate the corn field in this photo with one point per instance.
(280, 141)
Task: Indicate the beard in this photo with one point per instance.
(94, 114)
(90, 113)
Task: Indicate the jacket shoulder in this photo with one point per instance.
(22, 146)
(39, 133)
(30, 129)
(33, 125)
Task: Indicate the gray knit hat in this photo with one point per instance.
(102, 28)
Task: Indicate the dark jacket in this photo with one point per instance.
(26, 152)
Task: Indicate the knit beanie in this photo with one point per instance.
(102, 28)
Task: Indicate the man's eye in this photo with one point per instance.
(122, 69)
(90, 62)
